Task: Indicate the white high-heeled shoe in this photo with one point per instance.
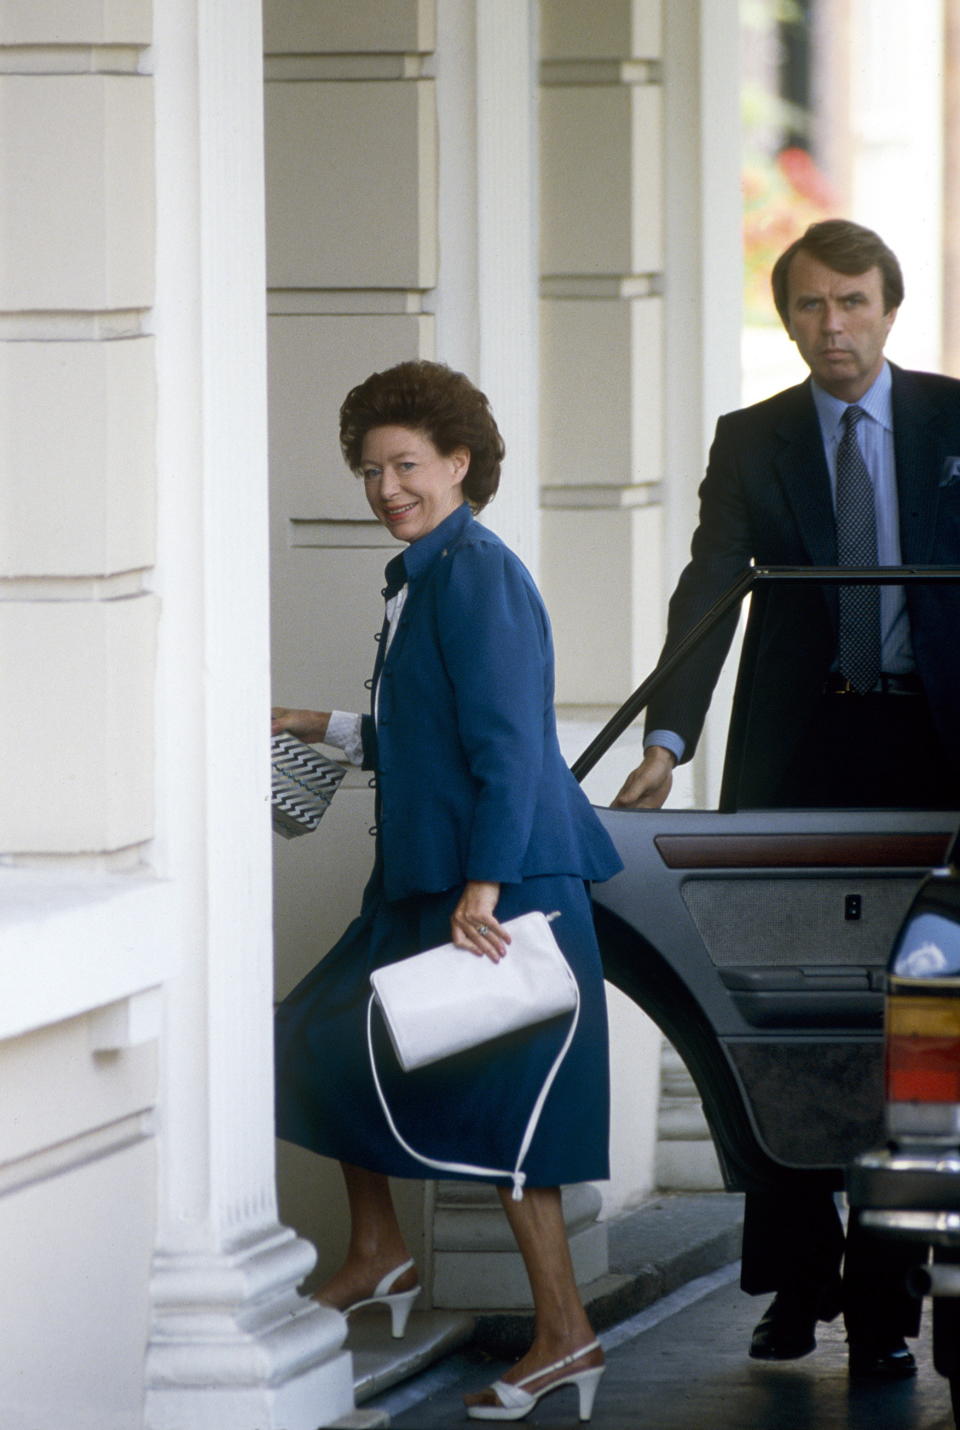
(400, 1303)
(515, 1402)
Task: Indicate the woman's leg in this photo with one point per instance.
(376, 1241)
(560, 1322)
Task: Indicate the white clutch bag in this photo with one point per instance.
(447, 1000)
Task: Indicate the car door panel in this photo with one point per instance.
(758, 939)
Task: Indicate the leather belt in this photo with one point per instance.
(836, 684)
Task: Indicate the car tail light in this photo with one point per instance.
(923, 1044)
(923, 1012)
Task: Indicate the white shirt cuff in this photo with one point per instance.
(344, 733)
(668, 739)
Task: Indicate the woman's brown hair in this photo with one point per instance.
(434, 399)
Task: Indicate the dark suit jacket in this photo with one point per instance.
(766, 498)
(471, 780)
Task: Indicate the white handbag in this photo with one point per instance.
(448, 999)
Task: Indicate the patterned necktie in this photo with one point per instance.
(859, 649)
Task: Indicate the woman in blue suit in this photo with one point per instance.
(479, 820)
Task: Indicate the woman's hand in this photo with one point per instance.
(472, 924)
(309, 725)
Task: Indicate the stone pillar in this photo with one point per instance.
(506, 167)
(686, 1159)
(231, 1342)
(703, 283)
(476, 1264)
(601, 263)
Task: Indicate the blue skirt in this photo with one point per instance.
(471, 1108)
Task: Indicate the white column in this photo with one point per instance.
(702, 281)
(486, 295)
(232, 1343)
(686, 1157)
(508, 269)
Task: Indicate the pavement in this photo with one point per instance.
(665, 1245)
(682, 1364)
(675, 1328)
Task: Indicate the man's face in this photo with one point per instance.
(838, 324)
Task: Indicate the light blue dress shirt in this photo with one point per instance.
(875, 435)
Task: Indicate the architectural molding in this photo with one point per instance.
(574, 72)
(588, 496)
(233, 1344)
(326, 302)
(119, 587)
(66, 327)
(73, 59)
(77, 1152)
(601, 285)
(324, 531)
(48, 914)
(345, 67)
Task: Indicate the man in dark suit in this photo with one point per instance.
(843, 698)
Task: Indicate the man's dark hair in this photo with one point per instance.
(846, 248)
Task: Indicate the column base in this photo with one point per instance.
(233, 1344)
(476, 1264)
(686, 1159)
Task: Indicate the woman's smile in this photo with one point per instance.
(410, 486)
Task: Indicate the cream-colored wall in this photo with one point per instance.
(78, 634)
(76, 451)
(77, 1178)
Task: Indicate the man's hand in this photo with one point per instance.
(649, 784)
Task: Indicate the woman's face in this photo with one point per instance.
(411, 488)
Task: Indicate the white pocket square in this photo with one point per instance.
(950, 473)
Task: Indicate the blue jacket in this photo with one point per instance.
(471, 780)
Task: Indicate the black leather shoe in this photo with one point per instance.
(786, 1330)
(868, 1361)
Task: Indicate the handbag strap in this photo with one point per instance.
(517, 1176)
